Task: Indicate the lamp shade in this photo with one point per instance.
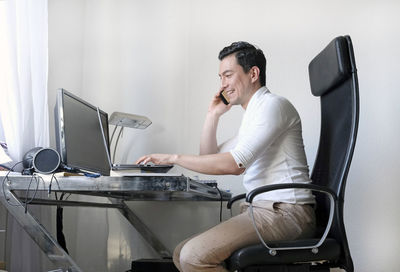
(129, 120)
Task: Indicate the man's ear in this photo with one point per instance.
(254, 73)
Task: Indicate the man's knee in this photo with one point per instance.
(177, 253)
(175, 258)
(192, 254)
(187, 254)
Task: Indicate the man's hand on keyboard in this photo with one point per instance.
(157, 159)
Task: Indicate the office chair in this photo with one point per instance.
(333, 77)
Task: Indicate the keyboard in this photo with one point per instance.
(155, 168)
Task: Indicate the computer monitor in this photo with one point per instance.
(78, 135)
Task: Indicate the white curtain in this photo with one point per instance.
(23, 75)
(23, 102)
(2, 137)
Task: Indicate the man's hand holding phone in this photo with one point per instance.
(217, 105)
(224, 97)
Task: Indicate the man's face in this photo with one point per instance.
(235, 81)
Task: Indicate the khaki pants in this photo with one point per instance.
(275, 221)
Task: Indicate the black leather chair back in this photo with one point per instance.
(333, 77)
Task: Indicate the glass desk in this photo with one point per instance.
(118, 189)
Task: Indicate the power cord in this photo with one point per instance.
(59, 225)
(214, 184)
(51, 181)
(33, 177)
(220, 202)
(59, 221)
(4, 180)
(116, 142)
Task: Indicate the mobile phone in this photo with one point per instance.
(224, 97)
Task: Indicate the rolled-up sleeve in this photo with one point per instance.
(266, 124)
(242, 156)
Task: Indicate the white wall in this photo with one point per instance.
(159, 58)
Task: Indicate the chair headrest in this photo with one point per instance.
(330, 67)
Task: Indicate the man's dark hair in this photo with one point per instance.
(247, 56)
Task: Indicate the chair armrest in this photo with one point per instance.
(274, 187)
(233, 199)
(267, 188)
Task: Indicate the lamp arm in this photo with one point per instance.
(116, 142)
(112, 135)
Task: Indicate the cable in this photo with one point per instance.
(59, 226)
(51, 182)
(90, 175)
(220, 208)
(58, 184)
(214, 184)
(33, 177)
(27, 191)
(37, 179)
(6, 178)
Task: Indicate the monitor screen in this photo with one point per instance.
(78, 134)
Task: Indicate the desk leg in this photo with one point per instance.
(37, 232)
(142, 228)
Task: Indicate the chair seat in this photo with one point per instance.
(259, 255)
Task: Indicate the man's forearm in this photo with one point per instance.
(214, 164)
(208, 141)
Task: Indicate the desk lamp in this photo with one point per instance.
(122, 120)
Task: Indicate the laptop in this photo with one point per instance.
(152, 168)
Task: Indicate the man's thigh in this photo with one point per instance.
(219, 242)
(274, 222)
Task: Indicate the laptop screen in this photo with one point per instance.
(78, 135)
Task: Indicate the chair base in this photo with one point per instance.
(286, 268)
(153, 265)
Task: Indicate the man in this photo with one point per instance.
(268, 149)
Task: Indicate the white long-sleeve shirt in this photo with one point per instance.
(270, 146)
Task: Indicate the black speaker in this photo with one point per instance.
(41, 160)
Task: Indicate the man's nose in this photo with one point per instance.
(224, 83)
